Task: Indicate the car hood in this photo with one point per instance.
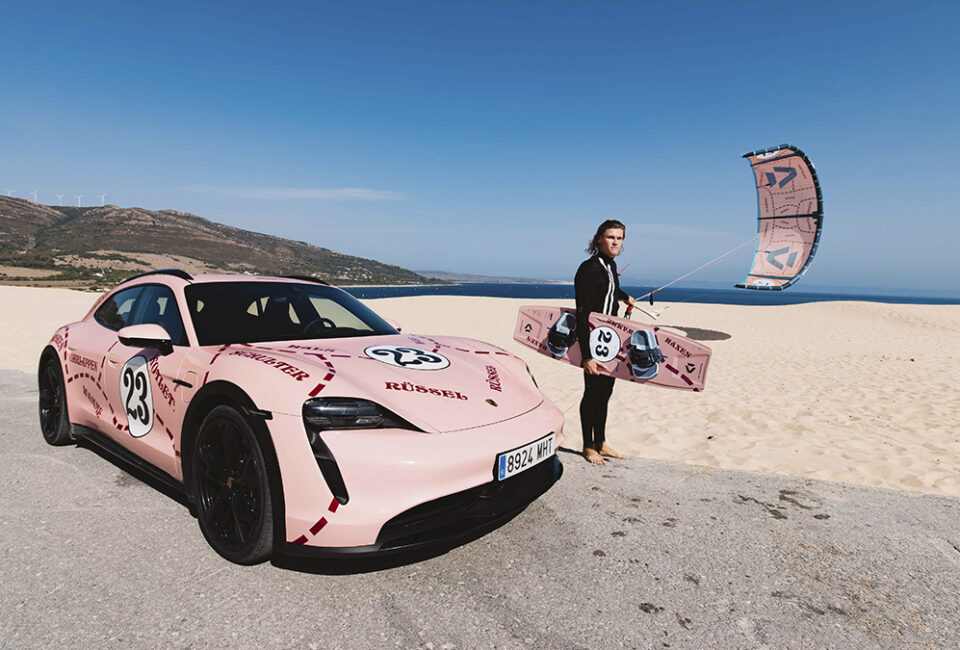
(439, 384)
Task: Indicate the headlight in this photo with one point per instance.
(324, 413)
(339, 413)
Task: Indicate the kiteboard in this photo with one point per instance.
(624, 349)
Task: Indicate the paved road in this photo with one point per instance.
(642, 554)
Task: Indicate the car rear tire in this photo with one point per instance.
(54, 421)
(231, 487)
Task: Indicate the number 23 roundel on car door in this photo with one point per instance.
(136, 396)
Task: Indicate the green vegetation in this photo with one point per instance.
(66, 239)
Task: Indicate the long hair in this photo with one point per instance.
(594, 246)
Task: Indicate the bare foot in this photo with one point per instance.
(610, 452)
(593, 456)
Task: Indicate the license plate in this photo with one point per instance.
(522, 458)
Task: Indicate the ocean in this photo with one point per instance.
(731, 296)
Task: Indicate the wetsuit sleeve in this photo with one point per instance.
(584, 284)
(622, 295)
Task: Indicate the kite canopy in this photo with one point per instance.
(790, 217)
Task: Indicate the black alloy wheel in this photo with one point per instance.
(232, 488)
(54, 422)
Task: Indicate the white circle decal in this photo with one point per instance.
(604, 343)
(406, 357)
(136, 396)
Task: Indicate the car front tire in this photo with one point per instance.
(54, 421)
(232, 488)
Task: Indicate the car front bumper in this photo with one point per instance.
(448, 520)
(390, 473)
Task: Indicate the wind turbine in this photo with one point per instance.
(60, 199)
(78, 197)
(102, 197)
(9, 192)
(34, 196)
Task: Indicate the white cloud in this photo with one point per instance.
(301, 193)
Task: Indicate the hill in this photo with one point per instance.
(94, 246)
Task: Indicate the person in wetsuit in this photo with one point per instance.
(598, 290)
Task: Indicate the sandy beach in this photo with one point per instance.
(855, 392)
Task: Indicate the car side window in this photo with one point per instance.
(115, 313)
(158, 306)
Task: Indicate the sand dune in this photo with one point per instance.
(855, 392)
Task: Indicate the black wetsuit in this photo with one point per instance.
(598, 290)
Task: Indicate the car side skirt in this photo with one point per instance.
(120, 453)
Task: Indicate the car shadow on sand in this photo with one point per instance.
(139, 474)
(700, 334)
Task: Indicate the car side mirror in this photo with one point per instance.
(394, 324)
(146, 335)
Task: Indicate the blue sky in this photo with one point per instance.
(492, 137)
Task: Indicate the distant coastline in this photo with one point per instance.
(565, 291)
(390, 286)
(467, 278)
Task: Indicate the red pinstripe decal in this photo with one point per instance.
(111, 345)
(321, 523)
(222, 348)
(83, 375)
(330, 375)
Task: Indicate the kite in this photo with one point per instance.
(789, 220)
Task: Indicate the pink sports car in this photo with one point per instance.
(296, 420)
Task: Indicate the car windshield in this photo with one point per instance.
(251, 312)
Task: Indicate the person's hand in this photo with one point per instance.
(631, 301)
(591, 367)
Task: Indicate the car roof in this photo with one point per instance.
(182, 278)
